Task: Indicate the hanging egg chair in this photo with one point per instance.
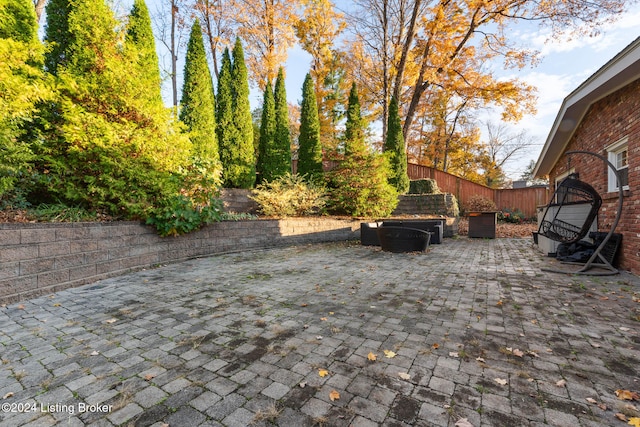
(570, 191)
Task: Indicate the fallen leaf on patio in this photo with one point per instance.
(435, 346)
(532, 353)
(621, 416)
(549, 350)
(304, 304)
(334, 395)
(562, 383)
(404, 375)
(534, 321)
(149, 377)
(389, 354)
(56, 304)
(454, 354)
(94, 353)
(324, 319)
(480, 359)
(602, 406)
(323, 372)
(21, 307)
(372, 357)
(500, 381)
(595, 345)
(518, 353)
(604, 298)
(624, 329)
(634, 421)
(303, 384)
(8, 395)
(331, 313)
(627, 395)
(591, 400)
(463, 422)
(499, 303)
(319, 337)
(111, 321)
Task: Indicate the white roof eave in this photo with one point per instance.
(620, 71)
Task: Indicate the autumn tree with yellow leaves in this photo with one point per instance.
(318, 31)
(267, 29)
(412, 48)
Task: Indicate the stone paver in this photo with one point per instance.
(473, 329)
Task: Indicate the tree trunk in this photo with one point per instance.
(212, 44)
(385, 70)
(39, 6)
(405, 49)
(174, 54)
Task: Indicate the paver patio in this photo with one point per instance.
(476, 330)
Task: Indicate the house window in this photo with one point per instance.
(558, 180)
(617, 155)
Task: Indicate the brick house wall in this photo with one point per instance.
(607, 121)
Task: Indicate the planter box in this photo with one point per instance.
(483, 224)
(403, 239)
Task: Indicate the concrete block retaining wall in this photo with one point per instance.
(41, 258)
(427, 204)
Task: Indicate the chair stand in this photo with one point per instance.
(606, 268)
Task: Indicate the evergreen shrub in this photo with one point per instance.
(424, 186)
(359, 187)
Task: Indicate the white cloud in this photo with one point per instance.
(612, 34)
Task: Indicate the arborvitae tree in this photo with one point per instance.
(18, 21)
(224, 117)
(241, 172)
(282, 164)
(354, 133)
(359, 185)
(197, 108)
(22, 86)
(309, 146)
(104, 150)
(395, 149)
(140, 35)
(57, 35)
(267, 132)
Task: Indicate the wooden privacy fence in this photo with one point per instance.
(524, 199)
